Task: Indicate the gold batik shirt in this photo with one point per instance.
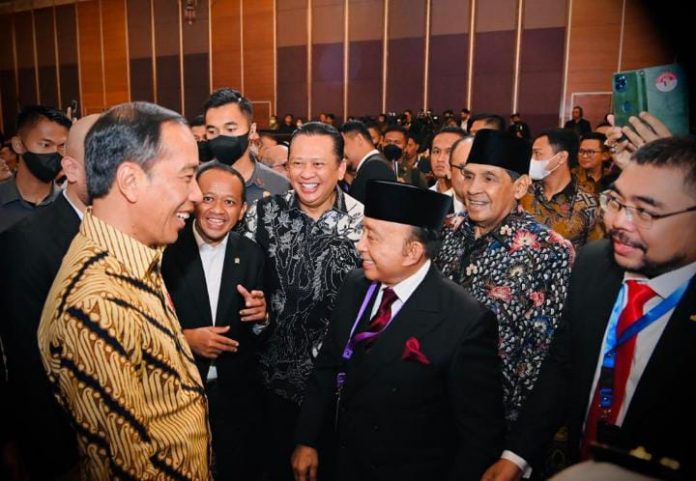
(116, 356)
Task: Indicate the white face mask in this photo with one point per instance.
(538, 168)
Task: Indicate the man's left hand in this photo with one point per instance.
(254, 303)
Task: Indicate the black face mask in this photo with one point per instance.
(204, 154)
(44, 167)
(228, 149)
(392, 152)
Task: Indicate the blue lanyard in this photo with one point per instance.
(606, 378)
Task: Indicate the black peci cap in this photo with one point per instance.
(406, 204)
(501, 149)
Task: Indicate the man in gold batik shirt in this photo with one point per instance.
(109, 338)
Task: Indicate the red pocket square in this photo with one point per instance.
(412, 351)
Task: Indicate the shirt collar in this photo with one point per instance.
(406, 288)
(666, 283)
(11, 193)
(202, 244)
(369, 154)
(79, 213)
(137, 258)
(568, 191)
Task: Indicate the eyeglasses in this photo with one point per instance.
(639, 216)
(460, 167)
(588, 152)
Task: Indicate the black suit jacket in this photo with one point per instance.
(661, 415)
(400, 419)
(375, 167)
(32, 252)
(183, 275)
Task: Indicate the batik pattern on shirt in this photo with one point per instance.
(114, 351)
(573, 212)
(307, 261)
(520, 271)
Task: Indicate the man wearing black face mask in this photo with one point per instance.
(228, 120)
(364, 158)
(41, 135)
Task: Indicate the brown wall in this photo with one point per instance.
(349, 57)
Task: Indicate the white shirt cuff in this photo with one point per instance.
(519, 462)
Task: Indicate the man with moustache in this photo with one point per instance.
(619, 367)
(109, 338)
(215, 277)
(512, 264)
(229, 120)
(308, 236)
(40, 140)
(32, 252)
(409, 361)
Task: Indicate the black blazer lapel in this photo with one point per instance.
(417, 317)
(189, 282)
(229, 300)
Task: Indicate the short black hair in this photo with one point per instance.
(397, 128)
(672, 152)
(582, 112)
(226, 95)
(356, 127)
(215, 165)
(496, 121)
(320, 128)
(130, 132)
(197, 121)
(466, 111)
(598, 136)
(450, 130)
(563, 139)
(430, 238)
(31, 114)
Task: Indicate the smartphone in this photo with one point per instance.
(661, 91)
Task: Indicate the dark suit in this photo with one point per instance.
(375, 167)
(32, 252)
(234, 397)
(401, 419)
(581, 127)
(660, 416)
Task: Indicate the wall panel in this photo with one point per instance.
(167, 58)
(90, 48)
(449, 55)
(66, 31)
(328, 20)
(24, 35)
(8, 86)
(259, 58)
(46, 56)
(365, 19)
(115, 52)
(225, 26)
(196, 58)
(406, 55)
(292, 57)
(140, 50)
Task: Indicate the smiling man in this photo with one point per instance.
(629, 330)
(512, 264)
(309, 237)
(109, 338)
(410, 354)
(215, 277)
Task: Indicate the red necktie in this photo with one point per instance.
(638, 295)
(380, 320)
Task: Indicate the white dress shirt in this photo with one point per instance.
(663, 285)
(403, 290)
(213, 259)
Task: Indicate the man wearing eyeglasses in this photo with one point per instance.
(619, 368)
(593, 160)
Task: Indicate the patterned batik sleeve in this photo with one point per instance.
(251, 221)
(545, 300)
(97, 360)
